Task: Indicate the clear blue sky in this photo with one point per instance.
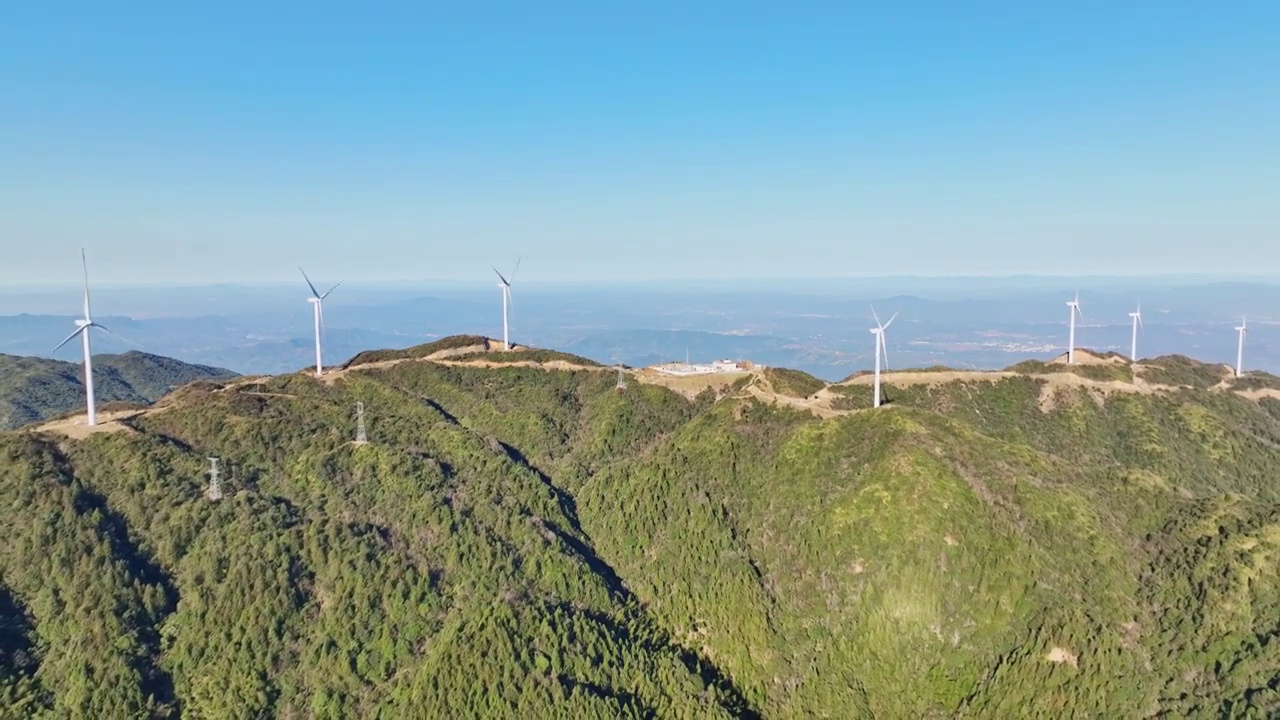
(717, 140)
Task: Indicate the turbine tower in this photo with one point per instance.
(881, 350)
(1074, 309)
(1137, 323)
(317, 310)
(505, 286)
(82, 329)
(1244, 328)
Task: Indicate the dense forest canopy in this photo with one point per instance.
(34, 389)
(524, 538)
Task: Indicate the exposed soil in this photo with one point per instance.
(1062, 655)
(940, 377)
(689, 385)
(332, 375)
(551, 365)
(1088, 357)
(76, 428)
(1259, 393)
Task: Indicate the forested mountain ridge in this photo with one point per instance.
(523, 538)
(34, 389)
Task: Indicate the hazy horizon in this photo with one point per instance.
(816, 326)
(453, 283)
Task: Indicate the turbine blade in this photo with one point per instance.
(309, 284)
(886, 325)
(335, 287)
(513, 272)
(84, 262)
(68, 339)
(504, 280)
(116, 335)
(877, 317)
(884, 351)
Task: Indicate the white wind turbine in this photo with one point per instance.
(881, 351)
(1137, 323)
(82, 329)
(1244, 328)
(317, 310)
(1074, 309)
(505, 286)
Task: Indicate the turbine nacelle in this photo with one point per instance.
(1075, 305)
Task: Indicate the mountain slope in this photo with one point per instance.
(33, 389)
(523, 541)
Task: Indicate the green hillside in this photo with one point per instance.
(524, 542)
(34, 389)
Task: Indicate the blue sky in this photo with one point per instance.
(662, 140)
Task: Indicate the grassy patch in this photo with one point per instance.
(793, 382)
(537, 356)
(453, 342)
(1182, 370)
(1256, 380)
(1101, 373)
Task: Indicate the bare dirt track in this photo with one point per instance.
(690, 385)
(1088, 357)
(1260, 393)
(76, 428)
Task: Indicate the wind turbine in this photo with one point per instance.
(506, 300)
(82, 329)
(1244, 328)
(1137, 323)
(622, 377)
(317, 305)
(881, 350)
(1074, 310)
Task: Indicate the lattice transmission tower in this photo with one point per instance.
(215, 488)
(361, 436)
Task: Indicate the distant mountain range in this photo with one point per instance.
(984, 324)
(34, 389)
